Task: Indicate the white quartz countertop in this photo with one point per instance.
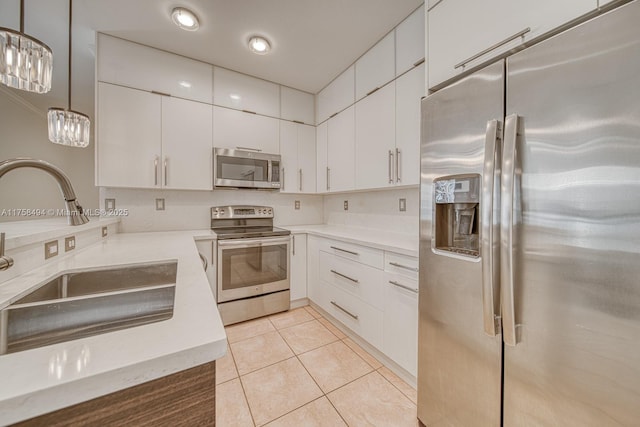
(37, 381)
(402, 243)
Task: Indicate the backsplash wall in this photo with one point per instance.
(375, 209)
(188, 210)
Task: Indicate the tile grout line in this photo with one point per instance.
(394, 386)
(244, 393)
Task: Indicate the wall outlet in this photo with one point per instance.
(346, 205)
(297, 205)
(105, 231)
(109, 204)
(50, 249)
(69, 243)
(402, 205)
(159, 204)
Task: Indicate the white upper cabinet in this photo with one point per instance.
(376, 67)
(307, 159)
(337, 96)
(322, 167)
(341, 151)
(410, 41)
(289, 159)
(242, 92)
(130, 64)
(375, 139)
(187, 155)
(298, 151)
(240, 130)
(296, 105)
(410, 88)
(461, 29)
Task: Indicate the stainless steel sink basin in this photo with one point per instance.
(83, 303)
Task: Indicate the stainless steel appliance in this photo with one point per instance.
(245, 169)
(529, 281)
(253, 263)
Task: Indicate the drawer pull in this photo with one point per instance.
(345, 276)
(418, 62)
(406, 267)
(355, 316)
(495, 46)
(344, 250)
(400, 285)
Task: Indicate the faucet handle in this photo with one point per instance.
(5, 261)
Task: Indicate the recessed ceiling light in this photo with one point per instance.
(259, 45)
(185, 19)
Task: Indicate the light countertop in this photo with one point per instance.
(37, 381)
(402, 243)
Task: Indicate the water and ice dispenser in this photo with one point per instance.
(456, 227)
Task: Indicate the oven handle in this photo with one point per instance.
(249, 243)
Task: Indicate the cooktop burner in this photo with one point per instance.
(244, 222)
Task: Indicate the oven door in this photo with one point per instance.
(250, 267)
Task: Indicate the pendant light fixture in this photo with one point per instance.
(25, 62)
(68, 127)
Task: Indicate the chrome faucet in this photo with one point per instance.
(75, 214)
(5, 261)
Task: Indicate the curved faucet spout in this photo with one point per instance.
(75, 214)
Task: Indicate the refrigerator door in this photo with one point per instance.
(459, 368)
(576, 233)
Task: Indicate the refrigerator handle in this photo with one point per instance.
(506, 230)
(490, 237)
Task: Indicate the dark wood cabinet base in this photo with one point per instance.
(186, 398)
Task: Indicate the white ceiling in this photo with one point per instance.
(312, 40)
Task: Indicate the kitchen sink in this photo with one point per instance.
(83, 303)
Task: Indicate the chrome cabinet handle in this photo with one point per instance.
(300, 178)
(249, 148)
(205, 263)
(293, 244)
(345, 276)
(156, 160)
(507, 187)
(495, 46)
(355, 316)
(490, 231)
(406, 267)
(5, 261)
(400, 285)
(166, 179)
(328, 179)
(390, 165)
(398, 172)
(283, 180)
(344, 250)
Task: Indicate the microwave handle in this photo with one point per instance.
(249, 149)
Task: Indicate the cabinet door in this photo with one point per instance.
(187, 138)
(128, 137)
(322, 145)
(237, 129)
(314, 287)
(338, 95)
(409, 91)
(289, 153)
(297, 105)
(341, 151)
(298, 266)
(375, 139)
(400, 324)
(242, 92)
(459, 29)
(410, 41)
(376, 67)
(134, 65)
(306, 159)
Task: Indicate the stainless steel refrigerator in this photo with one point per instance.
(530, 236)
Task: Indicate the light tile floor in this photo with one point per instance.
(297, 369)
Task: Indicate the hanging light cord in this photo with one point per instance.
(70, 44)
(22, 16)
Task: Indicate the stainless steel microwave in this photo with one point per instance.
(245, 169)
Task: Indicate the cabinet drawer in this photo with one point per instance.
(363, 319)
(362, 254)
(401, 264)
(360, 280)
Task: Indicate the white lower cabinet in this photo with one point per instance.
(370, 291)
(206, 250)
(298, 271)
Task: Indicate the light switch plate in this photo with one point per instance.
(50, 249)
(297, 205)
(402, 205)
(105, 231)
(159, 204)
(346, 205)
(69, 243)
(109, 204)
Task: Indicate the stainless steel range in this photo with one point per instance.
(253, 263)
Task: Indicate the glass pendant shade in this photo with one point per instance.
(68, 127)
(25, 63)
